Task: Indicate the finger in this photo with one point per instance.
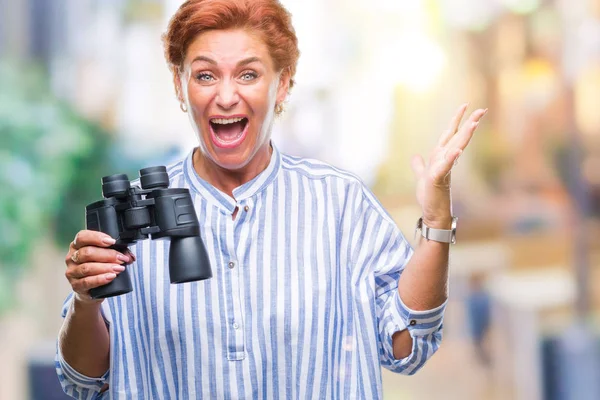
(90, 282)
(131, 255)
(418, 165)
(97, 254)
(454, 124)
(91, 269)
(444, 166)
(91, 238)
(462, 138)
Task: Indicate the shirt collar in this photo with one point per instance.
(247, 190)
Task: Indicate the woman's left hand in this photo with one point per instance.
(433, 178)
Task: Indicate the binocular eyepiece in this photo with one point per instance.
(131, 213)
(150, 178)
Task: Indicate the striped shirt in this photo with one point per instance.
(302, 304)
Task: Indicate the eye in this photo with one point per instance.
(249, 75)
(204, 77)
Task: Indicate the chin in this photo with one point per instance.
(231, 163)
(233, 159)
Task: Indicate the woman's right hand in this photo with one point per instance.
(91, 263)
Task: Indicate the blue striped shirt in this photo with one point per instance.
(303, 301)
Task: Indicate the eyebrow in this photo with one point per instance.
(245, 61)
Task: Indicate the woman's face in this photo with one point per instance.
(230, 87)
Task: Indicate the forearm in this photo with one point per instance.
(84, 339)
(424, 283)
(422, 286)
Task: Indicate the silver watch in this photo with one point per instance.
(439, 235)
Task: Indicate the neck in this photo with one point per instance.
(227, 180)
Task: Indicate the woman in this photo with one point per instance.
(314, 287)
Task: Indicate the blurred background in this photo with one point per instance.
(85, 92)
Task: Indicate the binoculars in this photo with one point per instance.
(131, 213)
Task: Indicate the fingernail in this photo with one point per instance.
(131, 255)
(110, 276)
(122, 257)
(109, 240)
(118, 268)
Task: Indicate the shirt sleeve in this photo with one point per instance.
(385, 252)
(74, 383)
(425, 328)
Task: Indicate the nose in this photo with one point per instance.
(227, 95)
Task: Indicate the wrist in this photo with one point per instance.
(438, 221)
(437, 212)
(87, 305)
(437, 233)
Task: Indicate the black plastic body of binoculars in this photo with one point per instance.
(131, 213)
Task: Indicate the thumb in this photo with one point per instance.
(418, 165)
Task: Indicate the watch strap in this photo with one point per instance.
(438, 235)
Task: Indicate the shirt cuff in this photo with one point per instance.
(418, 323)
(77, 378)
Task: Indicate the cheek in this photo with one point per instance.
(197, 96)
(261, 100)
(198, 106)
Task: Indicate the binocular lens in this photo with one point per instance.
(188, 260)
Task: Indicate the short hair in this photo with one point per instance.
(267, 18)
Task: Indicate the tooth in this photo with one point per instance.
(224, 121)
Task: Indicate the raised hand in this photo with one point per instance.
(434, 177)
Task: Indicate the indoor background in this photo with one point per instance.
(85, 92)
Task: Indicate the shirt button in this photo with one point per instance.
(413, 322)
(246, 208)
(236, 326)
(231, 264)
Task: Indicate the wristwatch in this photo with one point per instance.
(439, 235)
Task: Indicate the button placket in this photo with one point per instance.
(245, 206)
(235, 332)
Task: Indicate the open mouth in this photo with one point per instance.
(228, 132)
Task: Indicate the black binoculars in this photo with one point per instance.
(131, 213)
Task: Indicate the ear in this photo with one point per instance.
(177, 84)
(284, 85)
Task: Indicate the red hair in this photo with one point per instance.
(268, 18)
